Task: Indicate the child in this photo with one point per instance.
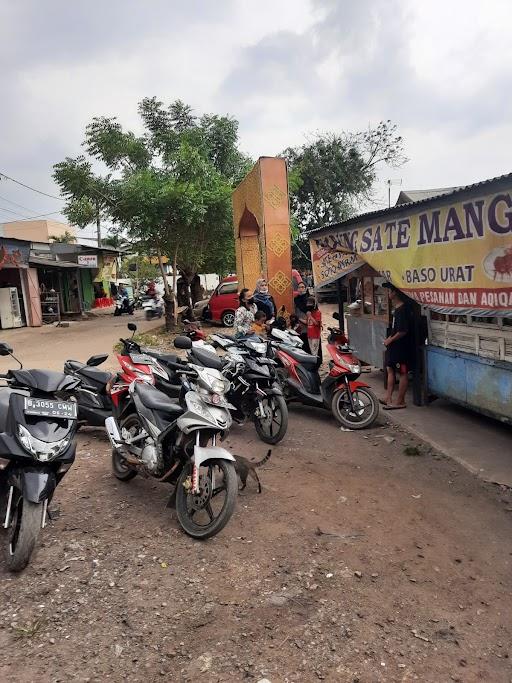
(259, 327)
(314, 323)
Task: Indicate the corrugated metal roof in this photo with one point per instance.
(408, 196)
(396, 209)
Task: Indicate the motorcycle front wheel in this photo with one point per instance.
(204, 514)
(272, 428)
(22, 534)
(364, 413)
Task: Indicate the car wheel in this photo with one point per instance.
(228, 318)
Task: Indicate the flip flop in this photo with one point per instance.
(383, 402)
(391, 407)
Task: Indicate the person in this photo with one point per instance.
(259, 327)
(113, 290)
(398, 351)
(314, 323)
(294, 322)
(301, 309)
(244, 314)
(264, 300)
(151, 290)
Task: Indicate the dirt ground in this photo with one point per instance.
(357, 563)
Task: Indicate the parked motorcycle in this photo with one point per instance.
(123, 305)
(37, 448)
(175, 441)
(153, 307)
(255, 392)
(93, 399)
(353, 403)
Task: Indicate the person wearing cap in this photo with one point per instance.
(397, 350)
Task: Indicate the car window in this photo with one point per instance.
(228, 288)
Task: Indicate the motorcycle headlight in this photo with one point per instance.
(42, 450)
(218, 386)
(354, 369)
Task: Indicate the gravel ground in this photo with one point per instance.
(356, 563)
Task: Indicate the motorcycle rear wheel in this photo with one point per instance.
(273, 431)
(187, 505)
(364, 399)
(23, 532)
(121, 470)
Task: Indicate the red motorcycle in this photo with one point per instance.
(353, 403)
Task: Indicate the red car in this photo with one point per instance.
(224, 300)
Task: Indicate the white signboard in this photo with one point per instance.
(89, 260)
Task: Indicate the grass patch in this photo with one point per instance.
(29, 630)
(412, 451)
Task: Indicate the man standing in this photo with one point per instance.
(398, 350)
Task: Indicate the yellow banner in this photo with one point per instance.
(452, 257)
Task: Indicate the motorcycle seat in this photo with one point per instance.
(154, 399)
(164, 357)
(300, 356)
(206, 358)
(91, 372)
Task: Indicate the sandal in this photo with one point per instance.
(392, 407)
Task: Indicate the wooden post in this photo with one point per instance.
(339, 292)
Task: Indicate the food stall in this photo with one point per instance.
(451, 254)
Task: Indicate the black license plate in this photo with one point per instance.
(49, 408)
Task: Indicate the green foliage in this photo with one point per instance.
(330, 176)
(146, 271)
(169, 190)
(66, 238)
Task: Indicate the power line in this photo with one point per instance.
(16, 213)
(20, 206)
(27, 218)
(18, 182)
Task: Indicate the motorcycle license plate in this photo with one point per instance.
(47, 408)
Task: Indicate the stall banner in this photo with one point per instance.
(453, 258)
(13, 253)
(88, 260)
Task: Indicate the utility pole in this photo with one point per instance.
(389, 182)
(98, 224)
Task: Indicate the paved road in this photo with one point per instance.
(49, 346)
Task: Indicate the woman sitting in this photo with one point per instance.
(244, 314)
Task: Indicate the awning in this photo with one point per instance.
(50, 263)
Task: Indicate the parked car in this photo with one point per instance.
(224, 300)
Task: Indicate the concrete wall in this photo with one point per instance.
(35, 231)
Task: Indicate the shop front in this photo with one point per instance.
(452, 256)
(19, 295)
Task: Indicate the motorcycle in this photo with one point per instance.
(38, 423)
(255, 392)
(93, 399)
(352, 402)
(153, 307)
(123, 305)
(169, 439)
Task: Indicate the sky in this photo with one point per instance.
(286, 69)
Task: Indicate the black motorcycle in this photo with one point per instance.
(255, 391)
(94, 403)
(37, 447)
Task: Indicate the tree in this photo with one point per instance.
(146, 270)
(66, 238)
(169, 190)
(334, 173)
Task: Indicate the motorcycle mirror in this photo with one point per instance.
(5, 349)
(336, 315)
(182, 342)
(132, 327)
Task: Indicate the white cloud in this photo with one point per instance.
(439, 69)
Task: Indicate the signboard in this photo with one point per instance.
(13, 253)
(453, 258)
(88, 260)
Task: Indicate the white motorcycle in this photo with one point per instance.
(174, 440)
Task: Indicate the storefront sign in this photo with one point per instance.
(13, 253)
(88, 260)
(454, 258)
